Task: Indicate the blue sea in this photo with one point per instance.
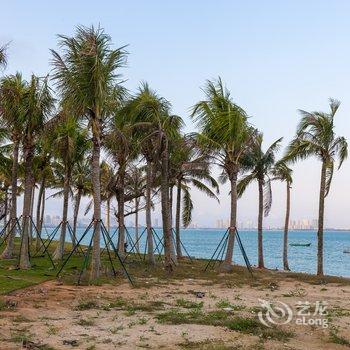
(201, 243)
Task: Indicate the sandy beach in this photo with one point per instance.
(163, 315)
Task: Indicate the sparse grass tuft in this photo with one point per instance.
(86, 305)
(21, 319)
(335, 338)
(187, 304)
(224, 303)
(85, 323)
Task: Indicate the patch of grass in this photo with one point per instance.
(143, 321)
(131, 307)
(86, 323)
(297, 292)
(86, 305)
(277, 334)
(7, 305)
(187, 304)
(20, 335)
(118, 303)
(221, 318)
(21, 319)
(244, 325)
(338, 312)
(51, 330)
(225, 303)
(208, 344)
(335, 338)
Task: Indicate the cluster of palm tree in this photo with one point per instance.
(80, 133)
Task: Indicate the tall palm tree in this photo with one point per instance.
(316, 137)
(69, 144)
(168, 130)
(86, 75)
(283, 173)
(226, 135)
(13, 90)
(163, 127)
(148, 106)
(38, 105)
(260, 165)
(121, 145)
(189, 167)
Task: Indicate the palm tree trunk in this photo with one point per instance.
(38, 210)
(173, 251)
(96, 189)
(108, 215)
(59, 252)
(227, 264)
(6, 205)
(150, 251)
(31, 214)
(24, 262)
(286, 227)
(165, 205)
(260, 224)
(76, 213)
(321, 221)
(121, 226)
(137, 224)
(42, 211)
(8, 252)
(177, 219)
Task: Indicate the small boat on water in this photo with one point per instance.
(300, 244)
(346, 251)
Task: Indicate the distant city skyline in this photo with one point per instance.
(294, 224)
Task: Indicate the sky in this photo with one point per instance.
(274, 56)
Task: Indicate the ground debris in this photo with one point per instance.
(71, 342)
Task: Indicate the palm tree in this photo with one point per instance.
(260, 165)
(108, 189)
(86, 75)
(148, 106)
(135, 187)
(316, 137)
(226, 135)
(44, 174)
(3, 56)
(81, 186)
(120, 143)
(69, 144)
(13, 90)
(38, 105)
(283, 173)
(189, 167)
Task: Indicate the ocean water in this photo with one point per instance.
(201, 243)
